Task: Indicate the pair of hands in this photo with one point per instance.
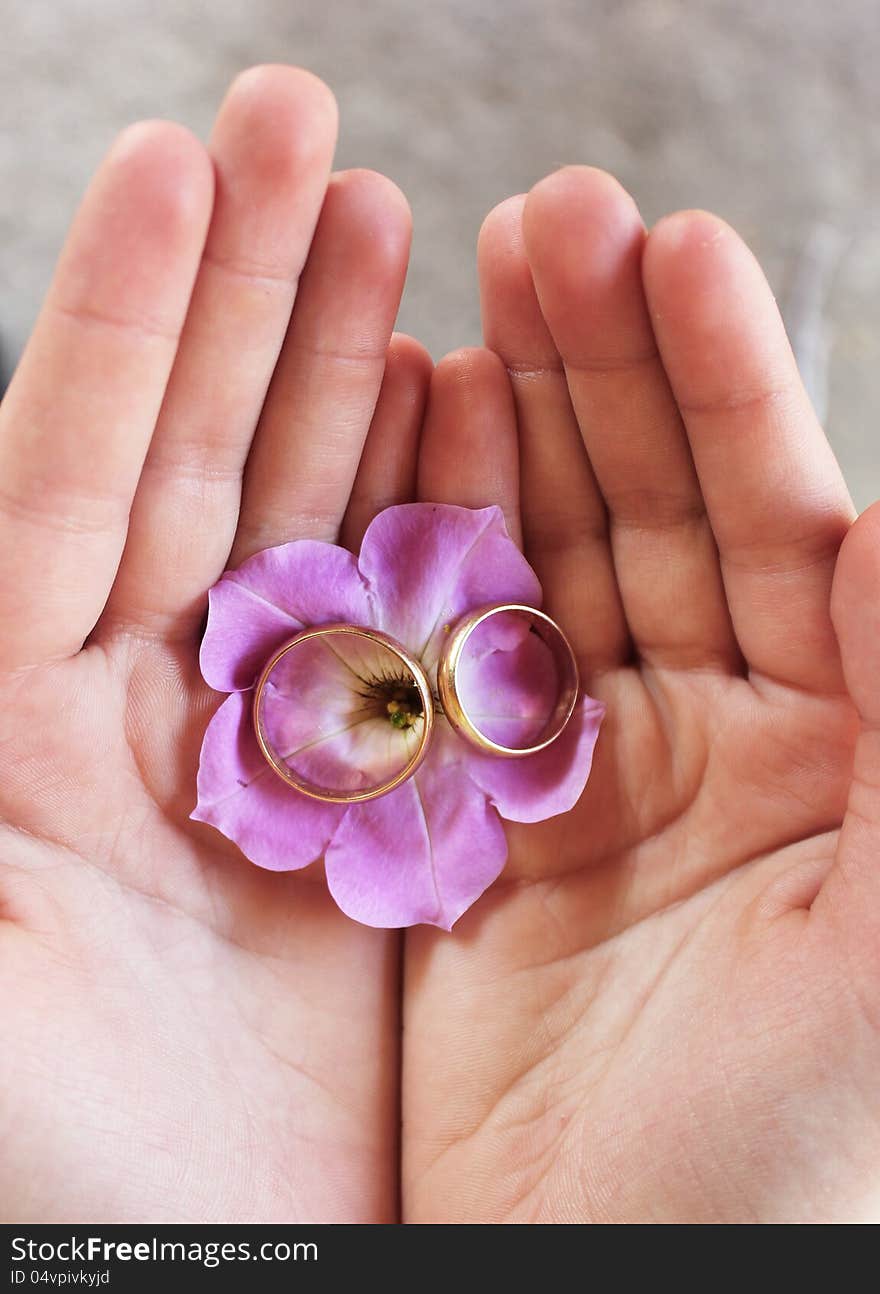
(668, 1008)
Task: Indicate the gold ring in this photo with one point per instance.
(447, 678)
(419, 681)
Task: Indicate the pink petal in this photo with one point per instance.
(315, 677)
(271, 596)
(540, 786)
(272, 824)
(424, 853)
(427, 564)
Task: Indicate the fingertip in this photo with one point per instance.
(281, 101)
(502, 265)
(152, 135)
(135, 243)
(513, 324)
(469, 448)
(501, 231)
(376, 211)
(272, 146)
(408, 361)
(163, 172)
(575, 203)
(407, 381)
(691, 228)
(387, 470)
(275, 128)
(687, 250)
(578, 179)
(714, 313)
(469, 371)
(584, 239)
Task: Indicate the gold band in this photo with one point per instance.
(447, 678)
(420, 681)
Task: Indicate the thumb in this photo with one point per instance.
(853, 886)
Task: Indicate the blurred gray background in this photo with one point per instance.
(766, 113)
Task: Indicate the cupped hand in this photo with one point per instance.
(188, 1038)
(668, 1008)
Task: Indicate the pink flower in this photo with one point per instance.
(427, 850)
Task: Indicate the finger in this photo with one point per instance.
(321, 401)
(469, 452)
(584, 239)
(774, 493)
(77, 419)
(850, 898)
(563, 515)
(272, 147)
(387, 471)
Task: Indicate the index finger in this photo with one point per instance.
(77, 420)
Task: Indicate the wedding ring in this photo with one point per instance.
(407, 677)
(449, 678)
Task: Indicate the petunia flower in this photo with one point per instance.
(427, 850)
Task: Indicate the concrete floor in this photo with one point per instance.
(766, 113)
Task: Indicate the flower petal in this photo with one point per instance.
(428, 564)
(269, 598)
(424, 853)
(540, 786)
(272, 824)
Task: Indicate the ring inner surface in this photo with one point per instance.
(513, 680)
(341, 712)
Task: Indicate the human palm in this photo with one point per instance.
(188, 1037)
(667, 1009)
(664, 1008)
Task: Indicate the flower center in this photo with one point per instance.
(396, 699)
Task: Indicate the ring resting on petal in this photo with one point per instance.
(425, 851)
(343, 714)
(493, 659)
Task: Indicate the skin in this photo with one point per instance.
(667, 1008)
